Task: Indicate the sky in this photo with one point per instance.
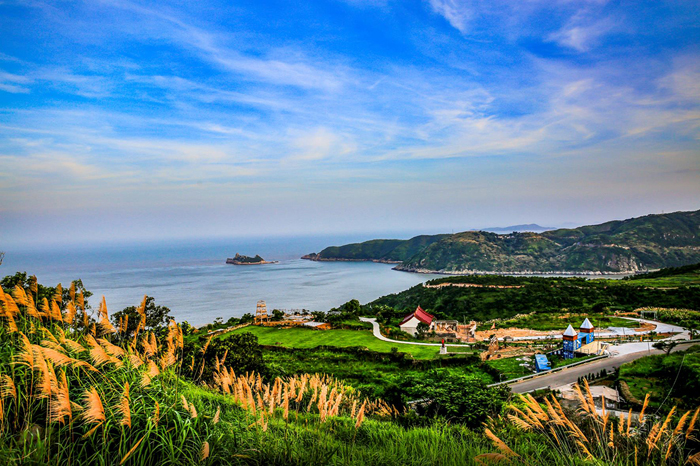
(128, 120)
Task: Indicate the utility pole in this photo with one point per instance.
(2, 256)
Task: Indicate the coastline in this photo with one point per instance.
(518, 273)
(311, 257)
(400, 268)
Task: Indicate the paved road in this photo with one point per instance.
(557, 379)
(378, 334)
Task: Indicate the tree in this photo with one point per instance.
(277, 314)
(464, 398)
(157, 318)
(243, 353)
(666, 345)
(422, 329)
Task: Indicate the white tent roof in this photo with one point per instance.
(587, 324)
(570, 332)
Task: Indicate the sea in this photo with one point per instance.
(191, 277)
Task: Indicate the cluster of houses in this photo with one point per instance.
(442, 328)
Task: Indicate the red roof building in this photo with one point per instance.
(411, 321)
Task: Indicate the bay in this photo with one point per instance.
(193, 280)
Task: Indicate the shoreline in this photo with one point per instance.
(518, 273)
(232, 262)
(314, 258)
(311, 257)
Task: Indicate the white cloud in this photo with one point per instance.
(454, 11)
(582, 33)
(13, 83)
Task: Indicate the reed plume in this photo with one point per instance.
(132, 450)
(61, 404)
(7, 387)
(70, 313)
(110, 348)
(20, 296)
(500, 444)
(205, 451)
(55, 312)
(34, 285)
(156, 414)
(58, 294)
(123, 407)
(94, 411)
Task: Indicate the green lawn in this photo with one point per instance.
(296, 337)
(510, 368)
(689, 279)
(676, 376)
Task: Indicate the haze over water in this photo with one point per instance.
(193, 280)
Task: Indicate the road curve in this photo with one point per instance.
(378, 334)
(570, 375)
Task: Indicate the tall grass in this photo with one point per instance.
(76, 391)
(601, 437)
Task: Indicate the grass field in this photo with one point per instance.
(308, 338)
(687, 279)
(511, 368)
(676, 376)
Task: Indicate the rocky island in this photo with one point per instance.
(239, 259)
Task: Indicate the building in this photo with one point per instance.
(318, 325)
(409, 324)
(599, 393)
(453, 330)
(542, 363)
(573, 341)
(587, 332)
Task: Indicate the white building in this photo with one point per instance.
(409, 324)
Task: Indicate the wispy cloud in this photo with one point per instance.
(13, 83)
(581, 33)
(456, 12)
(389, 108)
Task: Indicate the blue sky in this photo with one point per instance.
(123, 120)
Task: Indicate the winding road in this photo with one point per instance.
(618, 354)
(377, 333)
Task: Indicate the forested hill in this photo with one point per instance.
(379, 250)
(642, 243)
(485, 297)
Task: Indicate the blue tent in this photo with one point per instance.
(542, 363)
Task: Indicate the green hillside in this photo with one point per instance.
(389, 250)
(505, 296)
(637, 244)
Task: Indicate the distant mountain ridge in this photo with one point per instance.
(619, 246)
(520, 228)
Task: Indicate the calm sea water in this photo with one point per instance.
(193, 280)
